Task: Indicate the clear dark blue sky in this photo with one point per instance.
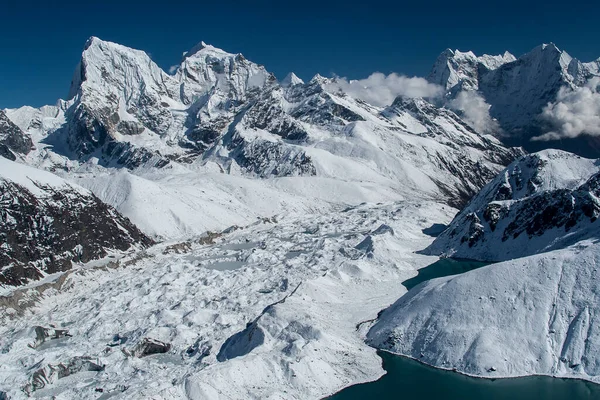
(41, 42)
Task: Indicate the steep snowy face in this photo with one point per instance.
(519, 90)
(544, 201)
(533, 315)
(47, 224)
(291, 80)
(12, 139)
(206, 68)
(129, 90)
(120, 112)
(454, 67)
(422, 117)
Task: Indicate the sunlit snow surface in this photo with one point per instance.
(196, 296)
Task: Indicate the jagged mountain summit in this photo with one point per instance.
(456, 70)
(221, 111)
(518, 89)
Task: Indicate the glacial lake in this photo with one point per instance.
(443, 267)
(408, 379)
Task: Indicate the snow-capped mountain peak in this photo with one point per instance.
(453, 67)
(291, 80)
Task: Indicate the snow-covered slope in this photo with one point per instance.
(533, 315)
(543, 201)
(46, 224)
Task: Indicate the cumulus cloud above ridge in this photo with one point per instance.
(575, 112)
(381, 90)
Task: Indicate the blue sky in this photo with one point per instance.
(40, 42)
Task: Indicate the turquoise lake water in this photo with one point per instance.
(410, 380)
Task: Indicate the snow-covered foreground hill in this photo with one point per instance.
(288, 294)
(533, 315)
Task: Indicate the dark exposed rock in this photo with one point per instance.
(265, 158)
(46, 233)
(149, 346)
(12, 139)
(525, 202)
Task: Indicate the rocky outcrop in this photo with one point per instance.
(542, 202)
(12, 139)
(149, 346)
(47, 224)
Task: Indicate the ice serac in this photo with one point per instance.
(47, 224)
(541, 202)
(12, 139)
(532, 315)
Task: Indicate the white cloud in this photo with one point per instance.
(381, 90)
(475, 111)
(173, 69)
(575, 112)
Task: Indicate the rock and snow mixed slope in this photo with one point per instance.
(46, 224)
(268, 310)
(543, 201)
(12, 139)
(533, 315)
(221, 112)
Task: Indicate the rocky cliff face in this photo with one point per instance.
(47, 224)
(544, 201)
(12, 139)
